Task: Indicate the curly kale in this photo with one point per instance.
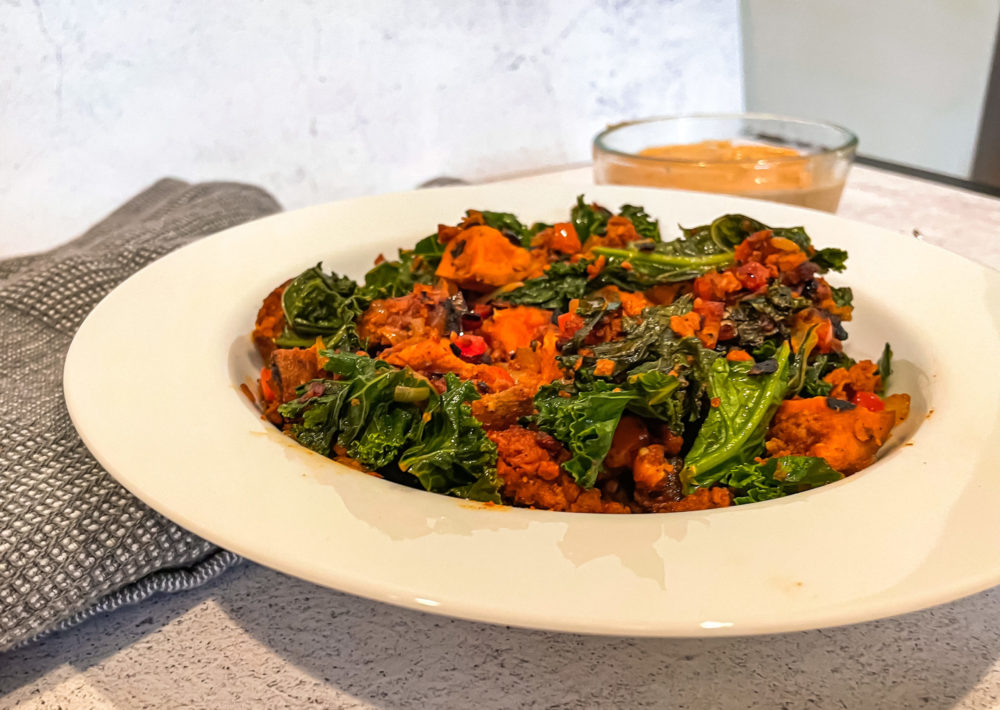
(384, 416)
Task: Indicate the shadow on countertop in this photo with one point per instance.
(349, 652)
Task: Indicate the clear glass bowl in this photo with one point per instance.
(811, 176)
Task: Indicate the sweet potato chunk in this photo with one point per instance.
(482, 259)
(560, 237)
(432, 357)
(293, 367)
(503, 409)
(536, 365)
(860, 377)
(513, 328)
(847, 438)
(270, 322)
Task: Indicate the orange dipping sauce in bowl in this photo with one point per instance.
(753, 163)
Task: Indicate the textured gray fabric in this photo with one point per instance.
(73, 542)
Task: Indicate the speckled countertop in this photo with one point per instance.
(257, 638)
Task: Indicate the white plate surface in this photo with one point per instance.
(152, 384)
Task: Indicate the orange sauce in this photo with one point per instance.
(753, 170)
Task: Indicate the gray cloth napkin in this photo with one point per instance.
(74, 543)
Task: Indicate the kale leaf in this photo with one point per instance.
(397, 278)
(843, 296)
(562, 282)
(727, 231)
(385, 416)
(885, 367)
(647, 339)
(588, 219)
(452, 453)
(315, 415)
(325, 305)
(764, 315)
(773, 478)
(645, 226)
(584, 421)
(711, 246)
(829, 259)
(666, 263)
(700, 250)
(742, 407)
(668, 374)
(358, 411)
(658, 395)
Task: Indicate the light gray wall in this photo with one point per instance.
(317, 101)
(908, 76)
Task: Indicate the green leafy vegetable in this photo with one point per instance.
(700, 250)
(765, 315)
(385, 416)
(397, 278)
(799, 367)
(588, 219)
(667, 374)
(452, 453)
(648, 339)
(795, 234)
(316, 415)
(743, 405)
(842, 296)
(584, 422)
(830, 259)
(319, 304)
(645, 226)
(885, 367)
(658, 395)
(359, 411)
(773, 478)
(562, 282)
(666, 264)
(767, 349)
(729, 230)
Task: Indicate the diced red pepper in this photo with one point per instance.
(470, 346)
(753, 276)
(869, 400)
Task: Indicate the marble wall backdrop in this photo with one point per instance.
(321, 100)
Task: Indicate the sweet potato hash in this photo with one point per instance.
(585, 366)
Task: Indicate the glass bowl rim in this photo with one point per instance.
(850, 139)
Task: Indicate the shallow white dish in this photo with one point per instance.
(152, 384)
